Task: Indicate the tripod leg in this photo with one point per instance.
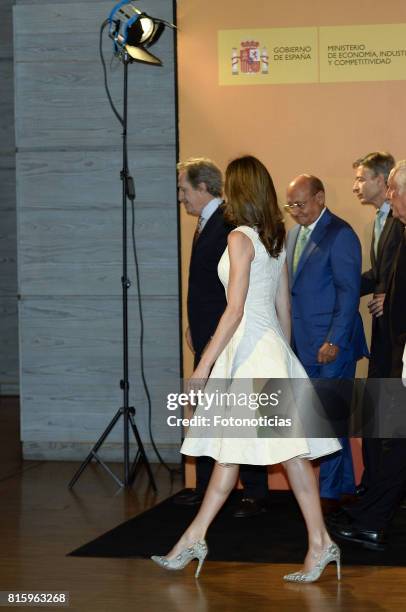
(96, 447)
(134, 467)
(141, 456)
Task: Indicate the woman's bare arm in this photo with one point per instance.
(282, 303)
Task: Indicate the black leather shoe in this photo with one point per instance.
(188, 497)
(340, 525)
(248, 507)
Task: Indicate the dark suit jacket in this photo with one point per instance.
(395, 309)
(206, 296)
(325, 291)
(387, 484)
(376, 280)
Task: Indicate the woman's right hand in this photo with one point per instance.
(198, 379)
(189, 341)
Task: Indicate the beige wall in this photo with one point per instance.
(315, 128)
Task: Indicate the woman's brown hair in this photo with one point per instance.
(251, 200)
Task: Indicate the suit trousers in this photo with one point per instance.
(377, 506)
(336, 470)
(371, 458)
(379, 367)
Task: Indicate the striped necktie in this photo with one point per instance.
(198, 230)
(300, 245)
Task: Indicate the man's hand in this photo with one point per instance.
(375, 306)
(188, 337)
(327, 353)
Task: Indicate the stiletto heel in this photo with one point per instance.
(199, 566)
(331, 554)
(198, 551)
(338, 564)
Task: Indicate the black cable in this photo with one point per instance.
(106, 86)
(171, 471)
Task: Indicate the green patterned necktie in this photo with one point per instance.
(300, 245)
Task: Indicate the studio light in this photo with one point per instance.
(133, 31)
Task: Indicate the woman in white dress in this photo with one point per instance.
(252, 341)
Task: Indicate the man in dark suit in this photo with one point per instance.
(395, 308)
(367, 521)
(324, 263)
(200, 190)
(370, 187)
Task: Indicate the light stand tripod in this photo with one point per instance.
(127, 412)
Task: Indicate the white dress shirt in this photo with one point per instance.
(208, 211)
(313, 225)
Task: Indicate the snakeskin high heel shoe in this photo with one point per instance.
(331, 554)
(198, 551)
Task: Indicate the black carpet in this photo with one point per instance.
(277, 536)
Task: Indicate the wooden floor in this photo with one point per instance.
(41, 521)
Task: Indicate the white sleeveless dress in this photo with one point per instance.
(257, 350)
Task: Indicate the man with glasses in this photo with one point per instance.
(324, 262)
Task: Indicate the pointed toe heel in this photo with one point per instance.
(198, 551)
(332, 554)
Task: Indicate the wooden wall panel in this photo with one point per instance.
(8, 345)
(8, 245)
(6, 106)
(59, 72)
(8, 248)
(72, 365)
(6, 29)
(8, 284)
(69, 229)
(52, 180)
(68, 105)
(80, 251)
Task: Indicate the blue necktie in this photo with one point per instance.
(378, 227)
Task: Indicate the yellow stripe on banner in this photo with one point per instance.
(312, 55)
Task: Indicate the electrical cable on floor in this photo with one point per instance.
(172, 471)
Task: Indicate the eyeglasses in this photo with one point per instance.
(297, 205)
(294, 205)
